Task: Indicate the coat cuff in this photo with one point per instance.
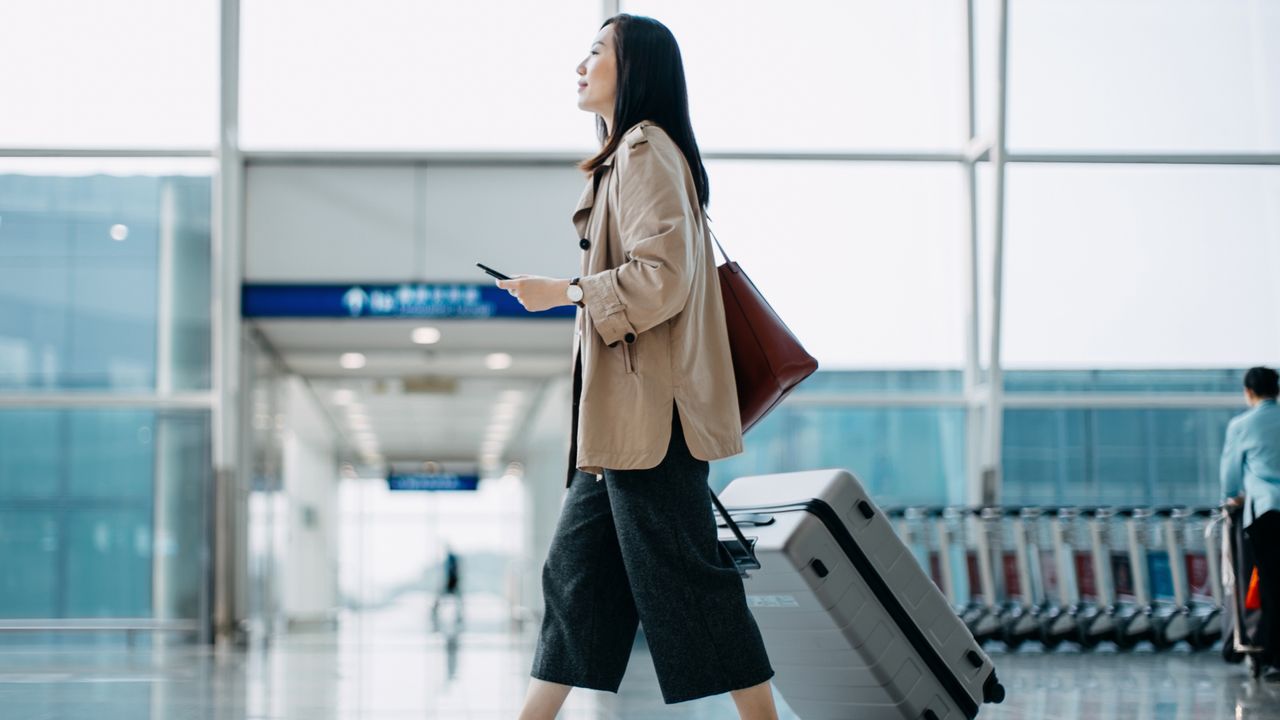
(607, 312)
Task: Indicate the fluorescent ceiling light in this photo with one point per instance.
(426, 335)
(343, 396)
(497, 361)
(352, 360)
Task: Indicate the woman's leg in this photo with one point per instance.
(543, 700)
(756, 702)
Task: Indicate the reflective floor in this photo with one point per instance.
(369, 672)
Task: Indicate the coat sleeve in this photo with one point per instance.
(657, 220)
(1232, 469)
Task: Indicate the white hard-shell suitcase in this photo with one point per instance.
(853, 625)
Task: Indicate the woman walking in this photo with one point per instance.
(653, 401)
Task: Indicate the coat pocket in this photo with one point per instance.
(629, 357)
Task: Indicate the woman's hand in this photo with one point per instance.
(537, 293)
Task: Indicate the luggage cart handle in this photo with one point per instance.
(745, 556)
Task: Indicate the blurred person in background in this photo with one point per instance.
(451, 588)
(1251, 479)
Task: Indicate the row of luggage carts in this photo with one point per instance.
(1084, 575)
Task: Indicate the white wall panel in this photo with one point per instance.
(514, 219)
(544, 450)
(318, 223)
(311, 485)
(324, 223)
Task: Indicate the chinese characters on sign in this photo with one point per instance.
(405, 300)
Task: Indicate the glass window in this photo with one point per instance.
(1134, 75)
(1113, 456)
(1124, 381)
(127, 73)
(862, 261)
(98, 507)
(84, 247)
(828, 75)
(404, 74)
(826, 382)
(881, 446)
(1141, 267)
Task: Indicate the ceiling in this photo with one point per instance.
(448, 401)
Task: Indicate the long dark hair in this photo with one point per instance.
(650, 86)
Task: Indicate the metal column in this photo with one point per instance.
(228, 226)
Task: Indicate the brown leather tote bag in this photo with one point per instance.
(768, 361)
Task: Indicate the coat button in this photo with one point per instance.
(629, 337)
(584, 243)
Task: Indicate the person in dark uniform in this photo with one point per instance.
(1251, 477)
(654, 400)
(451, 588)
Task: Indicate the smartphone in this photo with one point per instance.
(492, 272)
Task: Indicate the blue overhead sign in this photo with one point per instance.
(433, 481)
(406, 300)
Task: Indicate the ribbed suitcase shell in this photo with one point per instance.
(853, 625)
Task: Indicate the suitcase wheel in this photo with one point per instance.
(992, 690)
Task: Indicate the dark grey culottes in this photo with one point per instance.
(640, 546)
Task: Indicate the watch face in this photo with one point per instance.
(575, 293)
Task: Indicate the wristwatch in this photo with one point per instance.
(574, 292)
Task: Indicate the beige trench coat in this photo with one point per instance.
(653, 331)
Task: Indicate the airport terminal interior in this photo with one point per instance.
(272, 447)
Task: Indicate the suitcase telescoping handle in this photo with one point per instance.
(745, 556)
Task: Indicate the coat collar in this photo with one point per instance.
(581, 212)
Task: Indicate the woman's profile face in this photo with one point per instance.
(598, 75)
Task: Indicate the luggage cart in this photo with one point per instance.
(1129, 568)
(983, 553)
(948, 532)
(1022, 616)
(1098, 616)
(1187, 555)
(1062, 607)
(1167, 572)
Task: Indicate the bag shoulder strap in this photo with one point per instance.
(706, 223)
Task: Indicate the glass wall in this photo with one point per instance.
(104, 275)
(102, 513)
(105, 290)
(1113, 456)
(903, 456)
(1065, 456)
